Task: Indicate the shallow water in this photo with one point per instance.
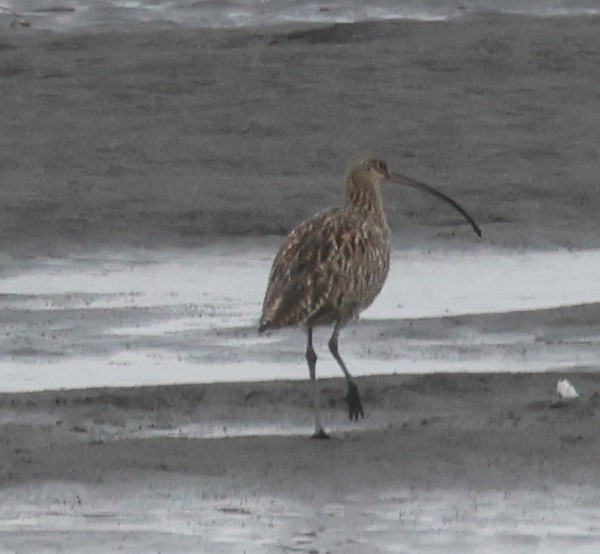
(130, 517)
(155, 317)
(228, 282)
(68, 15)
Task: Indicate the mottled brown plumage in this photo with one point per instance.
(333, 266)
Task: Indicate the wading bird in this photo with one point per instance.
(332, 266)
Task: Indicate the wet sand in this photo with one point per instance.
(170, 138)
(141, 317)
(442, 463)
(452, 462)
(166, 136)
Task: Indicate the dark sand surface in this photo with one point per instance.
(441, 431)
(167, 136)
(453, 463)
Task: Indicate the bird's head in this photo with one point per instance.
(369, 173)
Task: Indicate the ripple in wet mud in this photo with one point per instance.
(187, 517)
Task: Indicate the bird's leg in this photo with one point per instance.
(355, 409)
(311, 358)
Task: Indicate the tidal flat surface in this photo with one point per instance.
(141, 317)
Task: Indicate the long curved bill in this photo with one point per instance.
(408, 182)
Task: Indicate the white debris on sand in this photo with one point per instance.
(565, 390)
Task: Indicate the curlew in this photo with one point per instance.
(332, 266)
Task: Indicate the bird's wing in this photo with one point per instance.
(325, 262)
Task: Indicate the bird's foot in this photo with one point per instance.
(355, 409)
(319, 434)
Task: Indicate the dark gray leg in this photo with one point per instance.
(355, 409)
(311, 358)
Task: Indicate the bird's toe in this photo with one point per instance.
(320, 434)
(355, 408)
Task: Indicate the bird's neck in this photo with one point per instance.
(366, 199)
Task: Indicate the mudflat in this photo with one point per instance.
(170, 137)
(470, 460)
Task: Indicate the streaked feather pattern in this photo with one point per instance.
(328, 269)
